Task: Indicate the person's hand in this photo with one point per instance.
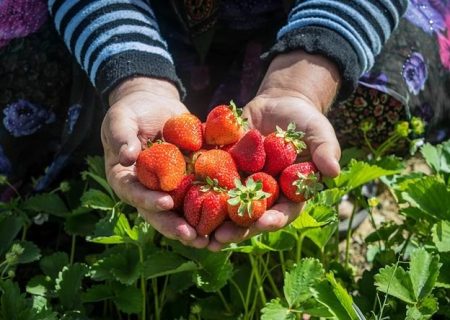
(139, 109)
(297, 88)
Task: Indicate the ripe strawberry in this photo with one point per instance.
(300, 181)
(179, 193)
(247, 203)
(269, 185)
(282, 148)
(205, 207)
(217, 164)
(249, 153)
(160, 167)
(184, 131)
(224, 125)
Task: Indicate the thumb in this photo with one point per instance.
(120, 135)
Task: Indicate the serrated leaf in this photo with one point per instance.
(96, 199)
(315, 216)
(299, 281)
(321, 236)
(395, 281)
(332, 295)
(113, 230)
(165, 263)
(38, 285)
(441, 236)
(128, 299)
(124, 266)
(430, 195)
(443, 280)
(274, 310)
(30, 253)
(359, 173)
(437, 157)
(422, 311)
(68, 285)
(13, 304)
(49, 203)
(51, 265)
(97, 293)
(423, 270)
(10, 226)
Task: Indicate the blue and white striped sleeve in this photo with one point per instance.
(114, 40)
(349, 32)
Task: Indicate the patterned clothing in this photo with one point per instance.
(51, 113)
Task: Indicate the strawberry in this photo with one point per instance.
(184, 131)
(249, 153)
(300, 181)
(217, 164)
(269, 185)
(179, 193)
(282, 148)
(224, 125)
(160, 167)
(247, 203)
(205, 207)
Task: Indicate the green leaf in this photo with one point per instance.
(359, 173)
(96, 199)
(98, 293)
(437, 157)
(13, 305)
(10, 226)
(68, 285)
(299, 281)
(430, 195)
(321, 236)
(441, 236)
(51, 265)
(423, 270)
(274, 310)
(332, 295)
(443, 280)
(165, 263)
(124, 266)
(49, 203)
(422, 311)
(128, 299)
(30, 253)
(315, 216)
(395, 281)
(38, 285)
(113, 230)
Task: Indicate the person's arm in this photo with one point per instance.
(350, 33)
(114, 40)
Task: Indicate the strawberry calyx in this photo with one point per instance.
(290, 135)
(245, 195)
(211, 185)
(237, 112)
(308, 185)
(151, 143)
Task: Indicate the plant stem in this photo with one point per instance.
(224, 301)
(244, 303)
(299, 247)
(72, 248)
(255, 271)
(369, 145)
(349, 235)
(163, 292)
(144, 289)
(269, 277)
(155, 294)
(24, 232)
(282, 262)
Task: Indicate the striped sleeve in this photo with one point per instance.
(350, 32)
(114, 40)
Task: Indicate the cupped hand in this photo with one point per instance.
(139, 109)
(297, 88)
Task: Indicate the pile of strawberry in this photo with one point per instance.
(218, 170)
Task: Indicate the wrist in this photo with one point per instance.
(310, 77)
(143, 84)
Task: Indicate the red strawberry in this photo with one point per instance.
(205, 207)
(224, 125)
(184, 131)
(247, 203)
(249, 153)
(160, 167)
(217, 164)
(300, 181)
(180, 192)
(269, 185)
(282, 148)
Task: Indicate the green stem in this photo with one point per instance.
(72, 248)
(163, 292)
(249, 290)
(144, 289)
(224, 301)
(299, 247)
(349, 235)
(369, 145)
(241, 295)
(155, 294)
(255, 271)
(24, 232)
(381, 150)
(372, 222)
(282, 262)
(269, 277)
